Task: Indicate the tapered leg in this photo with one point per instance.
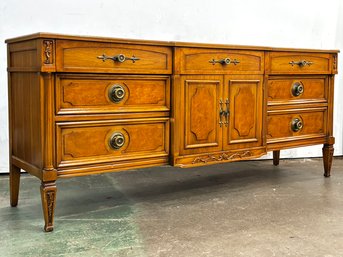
(48, 194)
(14, 184)
(327, 158)
(276, 157)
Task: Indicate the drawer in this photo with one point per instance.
(299, 63)
(295, 90)
(78, 56)
(296, 124)
(81, 143)
(218, 61)
(77, 94)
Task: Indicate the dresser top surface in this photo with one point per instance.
(45, 35)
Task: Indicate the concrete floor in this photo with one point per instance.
(236, 209)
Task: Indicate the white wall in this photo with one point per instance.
(291, 23)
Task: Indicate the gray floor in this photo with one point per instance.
(235, 209)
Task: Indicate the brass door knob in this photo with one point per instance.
(117, 140)
(297, 89)
(297, 124)
(116, 93)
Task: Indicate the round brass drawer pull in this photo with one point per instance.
(116, 93)
(297, 124)
(117, 140)
(297, 89)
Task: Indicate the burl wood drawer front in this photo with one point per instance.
(217, 61)
(81, 143)
(296, 124)
(111, 94)
(77, 56)
(295, 90)
(299, 63)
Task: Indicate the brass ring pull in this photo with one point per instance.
(225, 61)
(118, 58)
(117, 140)
(297, 89)
(116, 93)
(297, 125)
(301, 63)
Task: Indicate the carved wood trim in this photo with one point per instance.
(48, 193)
(48, 51)
(334, 63)
(50, 199)
(221, 157)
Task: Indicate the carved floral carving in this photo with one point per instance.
(221, 157)
(50, 199)
(335, 62)
(48, 44)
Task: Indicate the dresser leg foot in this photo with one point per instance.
(48, 194)
(276, 157)
(327, 158)
(14, 184)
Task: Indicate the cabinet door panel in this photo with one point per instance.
(201, 128)
(243, 100)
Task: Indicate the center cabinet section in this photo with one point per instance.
(221, 112)
(219, 116)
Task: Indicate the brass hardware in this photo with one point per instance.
(225, 61)
(117, 140)
(221, 112)
(224, 113)
(301, 63)
(227, 112)
(116, 93)
(297, 89)
(118, 58)
(297, 124)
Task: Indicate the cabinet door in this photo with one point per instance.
(243, 99)
(200, 114)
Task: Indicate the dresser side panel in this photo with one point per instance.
(25, 117)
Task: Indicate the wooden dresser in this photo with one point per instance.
(87, 105)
